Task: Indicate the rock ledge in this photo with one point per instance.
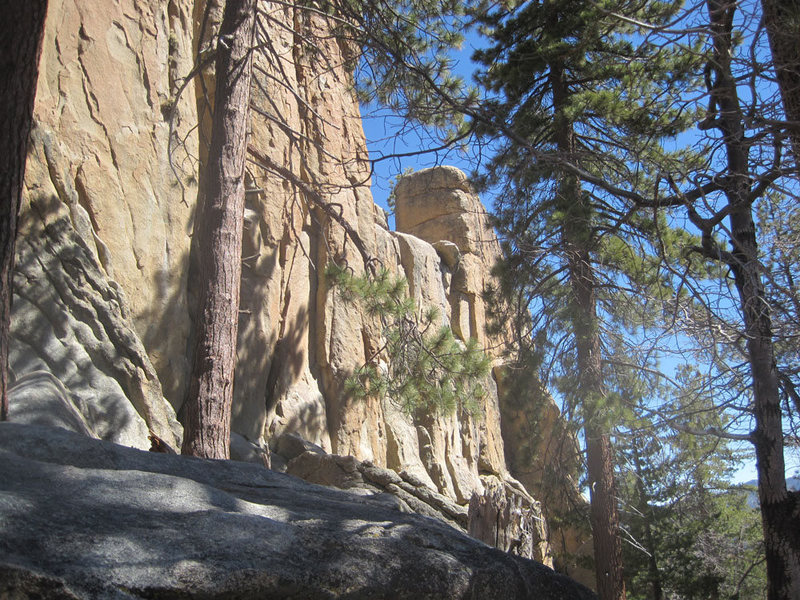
(84, 518)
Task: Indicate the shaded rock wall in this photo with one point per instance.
(104, 282)
(544, 455)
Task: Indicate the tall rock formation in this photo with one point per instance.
(102, 309)
(104, 224)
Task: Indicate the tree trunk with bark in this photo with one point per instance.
(20, 47)
(599, 451)
(782, 20)
(780, 509)
(577, 239)
(208, 403)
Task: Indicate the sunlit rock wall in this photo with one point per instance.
(99, 172)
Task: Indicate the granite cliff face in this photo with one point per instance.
(103, 283)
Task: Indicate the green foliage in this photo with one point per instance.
(403, 57)
(707, 546)
(692, 533)
(584, 94)
(421, 365)
(392, 199)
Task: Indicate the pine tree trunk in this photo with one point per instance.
(782, 20)
(599, 451)
(208, 404)
(577, 239)
(20, 47)
(780, 509)
(604, 516)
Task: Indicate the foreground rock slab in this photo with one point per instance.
(84, 518)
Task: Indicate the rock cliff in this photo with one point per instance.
(103, 284)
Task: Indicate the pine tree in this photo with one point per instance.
(395, 47)
(420, 365)
(577, 95)
(745, 160)
(208, 403)
(692, 533)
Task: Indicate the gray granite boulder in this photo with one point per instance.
(85, 518)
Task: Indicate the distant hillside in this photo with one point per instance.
(793, 483)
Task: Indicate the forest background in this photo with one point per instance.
(710, 440)
(396, 148)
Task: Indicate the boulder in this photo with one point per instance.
(244, 450)
(410, 493)
(439, 204)
(290, 445)
(449, 252)
(84, 518)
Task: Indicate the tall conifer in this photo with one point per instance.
(583, 96)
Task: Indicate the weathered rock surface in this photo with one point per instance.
(38, 398)
(502, 515)
(119, 193)
(456, 215)
(107, 75)
(71, 322)
(506, 517)
(89, 519)
(544, 455)
(348, 473)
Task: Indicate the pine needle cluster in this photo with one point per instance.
(420, 365)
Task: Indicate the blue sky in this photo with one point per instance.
(388, 135)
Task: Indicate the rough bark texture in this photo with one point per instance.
(208, 408)
(604, 515)
(780, 509)
(577, 239)
(20, 48)
(782, 20)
